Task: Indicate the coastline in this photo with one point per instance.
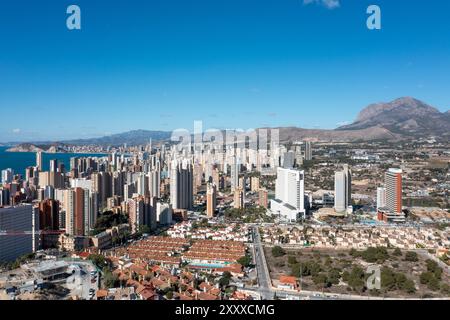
(58, 152)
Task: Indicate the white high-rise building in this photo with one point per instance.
(7, 175)
(181, 185)
(289, 194)
(381, 198)
(39, 161)
(163, 213)
(343, 189)
(235, 168)
(154, 183)
(143, 185)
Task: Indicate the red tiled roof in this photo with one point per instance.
(288, 280)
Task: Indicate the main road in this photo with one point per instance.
(264, 282)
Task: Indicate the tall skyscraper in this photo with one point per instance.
(308, 151)
(289, 194)
(154, 183)
(394, 189)
(143, 185)
(381, 198)
(44, 178)
(39, 161)
(7, 175)
(239, 198)
(49, 215)
(136, 213)
(211, 198)
(235, 168)
(78, 207)
(343, 189)
(216, 177)
(20, 225)
(5, 198)
(150, 212)
(181, 185)
(55, 179)
(102, 184)
(53, 165)
(164, 213)
(263, 198)
(254, 184)
(288, 159)
(198, 177)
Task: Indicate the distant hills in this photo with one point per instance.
(403, 118)
(135, 137)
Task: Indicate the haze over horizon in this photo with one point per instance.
(160, 65)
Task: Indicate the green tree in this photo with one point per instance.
(224, 281)
(356, 278)
(169, 295)
(277, 251)
(322, 280)
(292, 260)
(373, 255)
(98, 260)
(110, 280)
(334, 275)
(409, 286)
(433, 267)
(411, 256)
(245, 261)
(433, 284)
(445, 289)
(425, 277)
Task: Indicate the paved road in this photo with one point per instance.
(265, 285)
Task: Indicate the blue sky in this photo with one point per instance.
(161, 64)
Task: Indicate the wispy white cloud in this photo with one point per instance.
(329, 4)
(16, 131)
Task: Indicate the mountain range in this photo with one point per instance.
(403, 118)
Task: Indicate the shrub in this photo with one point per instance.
(277, 251)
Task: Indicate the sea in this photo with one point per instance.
(19, 161)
